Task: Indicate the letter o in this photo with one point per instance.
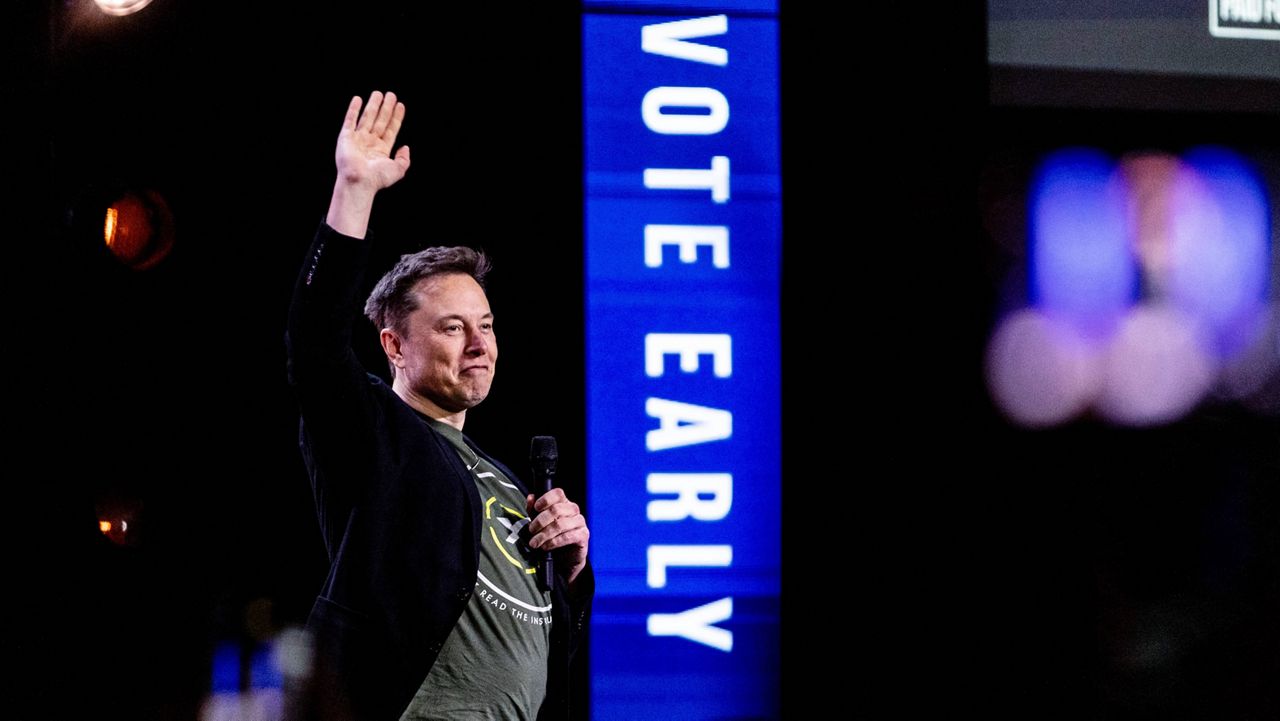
(660, 98)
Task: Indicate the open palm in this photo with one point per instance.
(363, 153)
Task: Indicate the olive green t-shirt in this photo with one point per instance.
(493, 665)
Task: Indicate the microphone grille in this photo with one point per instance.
(543, 448)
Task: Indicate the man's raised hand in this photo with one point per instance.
(364, 147)
(364, 160)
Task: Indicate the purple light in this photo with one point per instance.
(1082, 268)
(1219, 253)
(1040, 373)
(1246, 375)
(1194, 233)
(1156, 368)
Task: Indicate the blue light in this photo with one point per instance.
(263, 672)
(1082, 269)
(226, 668)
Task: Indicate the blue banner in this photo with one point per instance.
(683, 237)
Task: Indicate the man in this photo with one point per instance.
(433, 607)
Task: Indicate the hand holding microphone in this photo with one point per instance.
(556, 522)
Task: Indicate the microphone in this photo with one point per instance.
(543, 456)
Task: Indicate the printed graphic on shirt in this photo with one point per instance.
(504, 526)
(495, 477)
(508, 519)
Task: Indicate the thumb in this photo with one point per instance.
(528, 504)
(402, 157)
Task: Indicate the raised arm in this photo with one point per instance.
(364, 160)
(335, 397)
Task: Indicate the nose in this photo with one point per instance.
(477, 343)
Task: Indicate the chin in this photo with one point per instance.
(462, 403)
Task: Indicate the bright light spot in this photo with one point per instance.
(1081, 265)
(121, 7)
(130, 228)
(104, 526)
(124, 526)
(1040, 373)
(138, 229)
(109, 227)
(293, 653)
(1156, 368)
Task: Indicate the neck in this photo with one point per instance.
(424, 406)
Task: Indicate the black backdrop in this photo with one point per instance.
(988, 569)
(167, 395)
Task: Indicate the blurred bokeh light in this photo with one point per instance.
(1041, 373)
(121, 7)
(138, 229)
(1156, 368)
(1081, 267)
(1148, 289)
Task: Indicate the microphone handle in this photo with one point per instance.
(543, 457)
(548, 568)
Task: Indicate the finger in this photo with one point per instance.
(353, 112)
(549, 530)
(385, 111)
(547, 523)
(564, 509)
(370, 111)
(402, 159)
(397, 119)
(545, 520)
(550, 498)
(528, 505)
(576, 536)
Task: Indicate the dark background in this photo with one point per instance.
(165, 398)
(1083, 572)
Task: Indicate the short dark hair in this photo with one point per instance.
(393, 299)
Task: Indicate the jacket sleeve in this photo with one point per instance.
(338, 409)
(580, 608)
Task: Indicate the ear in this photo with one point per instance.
(391, 346)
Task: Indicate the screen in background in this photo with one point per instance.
(1177, 54)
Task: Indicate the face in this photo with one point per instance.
(448, 355)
